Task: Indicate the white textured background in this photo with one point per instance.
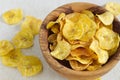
(39, 9)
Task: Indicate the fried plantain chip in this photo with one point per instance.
(102, 54)
(94, 66)
(29, 65)
(23, 39)
(58, 21)
(12, 58)
(78, 66)
(106, 18)
(13, 16)
(113, 7)
(5, 47)
(79, 59)
(72, 31)
(73, 17)
(62, 50)
(88, 13)
(105, 34)
(31, 23)
(52, 38)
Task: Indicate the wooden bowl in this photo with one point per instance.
(57, 66)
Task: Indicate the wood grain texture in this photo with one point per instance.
(67, 72)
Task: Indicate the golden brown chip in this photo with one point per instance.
(52, 38)
(5, 47)
(78, 66)
(55, 28)
(94, 66)
(80, 59)
(53, 45)
(82, 52)
(13, 16)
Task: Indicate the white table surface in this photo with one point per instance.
(39, 9)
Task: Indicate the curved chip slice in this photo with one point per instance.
(106, 18)
(105, 34)
(29, 65)
(58, 21)
(102, 54)
(72, 31)
(23, 39)
(62, 50)
(113, 7)
(82, 55)
(12, 58)
(73, 17)
(88, 13)
(94, 66)
(5, 47)
(77, 66)
(13, 16)
(52, 38)
(79, 59)
(31, 23)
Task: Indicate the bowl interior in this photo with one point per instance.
(59, 66)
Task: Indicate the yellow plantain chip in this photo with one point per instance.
(100, 24)
(77, 66)
(113, 7)
(58, 21)
(73, 17)
(5, 47)
(94, 66)
(31, 23)
(73, 31)
(102, 54)
(106, 18)
(50, 24)
(79, 59)
(83, 24)
(62, 50)
(53, 45)
(12, 58)
(75, 46)
(55, 28)
(29, 65)
(13, 16)
(88, 13)
(23, 39)
(82, 52)
(52, 38)
(105, 34)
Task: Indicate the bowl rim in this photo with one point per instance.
(59, 67)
